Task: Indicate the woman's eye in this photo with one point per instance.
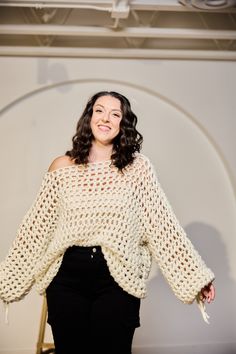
(98, 110)
(117, 115)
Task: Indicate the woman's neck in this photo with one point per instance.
(100, 152)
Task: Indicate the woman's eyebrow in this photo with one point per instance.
(115, 109)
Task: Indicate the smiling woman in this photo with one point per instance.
(89, 238)
(106, 130)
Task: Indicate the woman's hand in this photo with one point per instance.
(208, 293)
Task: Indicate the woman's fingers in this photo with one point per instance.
(208, 293)
(213, 292)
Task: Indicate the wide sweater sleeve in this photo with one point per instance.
(33, 236)
(168, 243)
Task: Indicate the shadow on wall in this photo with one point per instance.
(172, 323)
(208, 242)
(53, 73)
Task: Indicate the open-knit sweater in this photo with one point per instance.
(127, 214)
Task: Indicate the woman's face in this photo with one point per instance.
(105, 120)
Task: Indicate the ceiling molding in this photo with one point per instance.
(117, 53)
(134, 27)
(134, 32)
(109, 5)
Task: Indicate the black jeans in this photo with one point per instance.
(88, 311)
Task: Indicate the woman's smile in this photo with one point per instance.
(104, 128)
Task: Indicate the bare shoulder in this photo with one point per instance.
(59, 162)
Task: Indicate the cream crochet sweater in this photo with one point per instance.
(128, 215)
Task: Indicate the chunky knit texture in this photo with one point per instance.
(127, 214)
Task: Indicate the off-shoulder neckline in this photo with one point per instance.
(90, 164)
(104, 162)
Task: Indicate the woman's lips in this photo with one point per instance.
(104, 128)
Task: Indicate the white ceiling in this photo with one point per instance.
(120, 28)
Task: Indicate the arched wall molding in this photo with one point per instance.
(149, 91)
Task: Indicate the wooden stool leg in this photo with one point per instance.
(40, 344)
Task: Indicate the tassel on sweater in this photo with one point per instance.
(6, 306)
(202, 308)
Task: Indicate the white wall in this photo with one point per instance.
(186, 114)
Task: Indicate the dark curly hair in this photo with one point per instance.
(125, 144)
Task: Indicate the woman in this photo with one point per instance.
(88, 239)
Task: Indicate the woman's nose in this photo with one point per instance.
(105, 117)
